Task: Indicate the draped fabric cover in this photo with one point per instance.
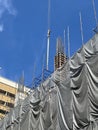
(68, 100)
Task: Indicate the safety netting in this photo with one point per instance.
(68, 100)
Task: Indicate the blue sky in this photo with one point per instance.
(23, 31)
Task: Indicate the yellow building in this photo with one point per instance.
(8, 94)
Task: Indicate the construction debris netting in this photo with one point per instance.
(68, 100)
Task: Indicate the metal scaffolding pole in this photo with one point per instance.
(48, 37)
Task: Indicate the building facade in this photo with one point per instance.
(9, 95)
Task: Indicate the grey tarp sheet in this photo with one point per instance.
(68, 100)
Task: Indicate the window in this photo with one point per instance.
(10, 105)
(10, 95)
(3, 112)
(2, 102)
(2, 92)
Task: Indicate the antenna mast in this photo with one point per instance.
(68, 42)
(48, 36)
(64, 43)
(33, 85)
(81, 27)
(95, 14)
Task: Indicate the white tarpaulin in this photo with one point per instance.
(68, 100)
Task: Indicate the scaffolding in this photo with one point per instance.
(38, 80)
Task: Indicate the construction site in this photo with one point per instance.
(66, 99)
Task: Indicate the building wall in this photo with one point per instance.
(8, 92)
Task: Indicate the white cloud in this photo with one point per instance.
(2, 72)
(6, 6)
(1, 27)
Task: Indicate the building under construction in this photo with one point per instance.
(68, 100)
(60, 57)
